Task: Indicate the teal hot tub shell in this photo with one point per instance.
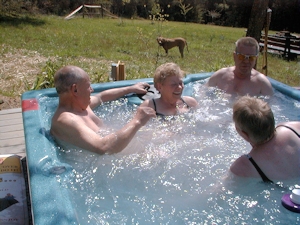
(49, 200)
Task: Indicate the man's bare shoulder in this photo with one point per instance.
(218, 75)
(62, 116)
(258, 75)
(63, 121)
(263, 82)
(224, 71)
(66, 125)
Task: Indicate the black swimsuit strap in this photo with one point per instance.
(290, 129)
(185, 103)
(158, 114)
(154, 104)
(261, 173)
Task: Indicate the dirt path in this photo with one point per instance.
(18, 71)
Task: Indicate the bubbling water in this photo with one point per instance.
(175, 170)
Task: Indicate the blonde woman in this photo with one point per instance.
(168, 80)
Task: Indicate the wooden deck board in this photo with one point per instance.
(11, 128)
(9, 121)
(12, 139)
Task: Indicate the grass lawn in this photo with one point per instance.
(95, 43)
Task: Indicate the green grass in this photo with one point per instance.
(94, 43)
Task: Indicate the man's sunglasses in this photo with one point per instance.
(243, 57)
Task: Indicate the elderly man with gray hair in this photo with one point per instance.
(75, 123)
(242, 78)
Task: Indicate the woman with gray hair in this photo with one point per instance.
(275, 153)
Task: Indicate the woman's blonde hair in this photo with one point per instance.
(255, 117)
(166, 70)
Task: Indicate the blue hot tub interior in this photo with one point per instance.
(52, 196)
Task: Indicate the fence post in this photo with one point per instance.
(121, 71)
(265, 53)
(287, 47)
(114, 71)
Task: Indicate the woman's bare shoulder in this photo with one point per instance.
(147, 103)
(192, 102)
(295, 125)
(241, 167)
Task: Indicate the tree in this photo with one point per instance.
(257, 18)
(184, 9)
(214, 15)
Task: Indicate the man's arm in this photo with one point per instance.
(214, 79)
(266, 86)
(115, 93)
(74, 131)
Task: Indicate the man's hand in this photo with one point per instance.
(143, 114)
(140, 88)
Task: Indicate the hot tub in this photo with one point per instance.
(180, 179)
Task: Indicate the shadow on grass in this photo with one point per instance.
(17, 20)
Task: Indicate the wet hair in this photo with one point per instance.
(66, 76)
(166, 70)
(247, 41)
(255, 117)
